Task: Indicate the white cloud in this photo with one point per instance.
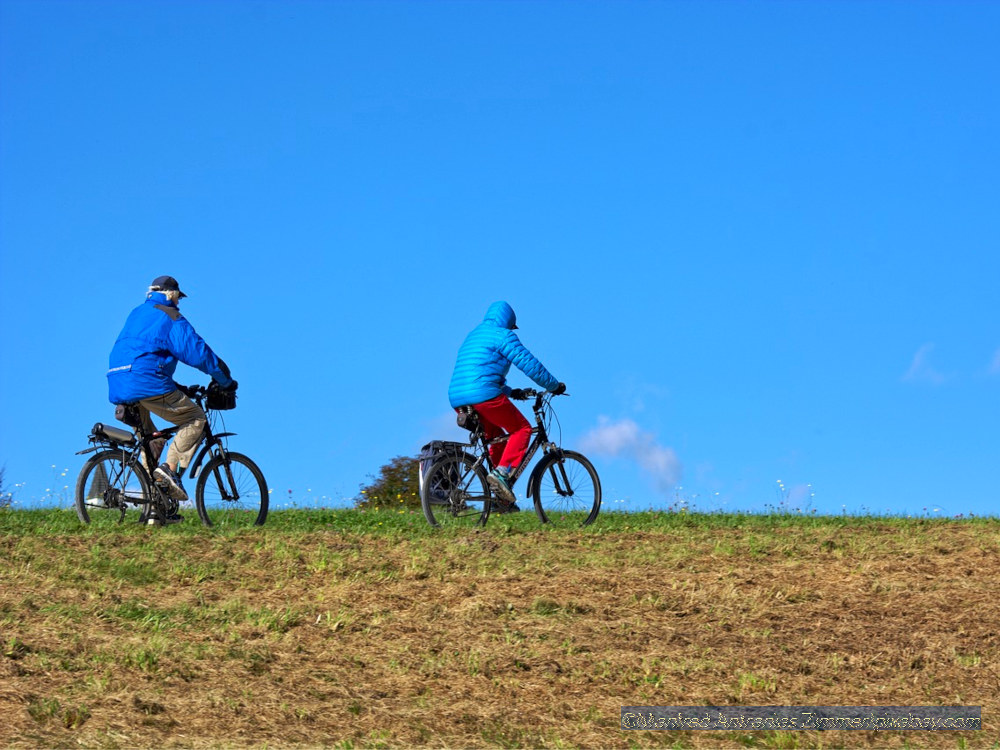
(625, 438)
(921, 370)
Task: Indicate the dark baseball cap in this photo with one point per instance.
(166, 284)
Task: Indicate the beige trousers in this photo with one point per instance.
(177, 409)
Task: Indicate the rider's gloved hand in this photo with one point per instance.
(559, 389)
(518, 394)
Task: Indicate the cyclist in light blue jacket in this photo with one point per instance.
(480, 381)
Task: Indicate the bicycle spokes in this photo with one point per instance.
(567, 490)
(454, 491)
(228, 491)
(231, 491)
(108, 485)
(99, 483)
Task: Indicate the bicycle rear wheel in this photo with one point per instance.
(454, 493)
(231, 492)
(567, 490)
(108, 487)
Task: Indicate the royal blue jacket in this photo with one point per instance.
(487, 354)
(155, 338)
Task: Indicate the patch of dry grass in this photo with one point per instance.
(490, 639)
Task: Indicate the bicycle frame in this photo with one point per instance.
(455, 483)
(210, 441)
(141, 449)
(211, 444)
(540, 440)
(229, 488)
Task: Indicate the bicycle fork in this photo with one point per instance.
(227, 489)
(561, 475)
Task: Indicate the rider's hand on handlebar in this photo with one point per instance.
(518, 394)
(559, 389)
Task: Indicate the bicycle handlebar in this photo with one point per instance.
(534, 393)
(192, 391)
(197, 390)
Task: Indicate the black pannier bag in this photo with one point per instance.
(436, 450)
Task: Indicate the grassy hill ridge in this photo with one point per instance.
(349, 629)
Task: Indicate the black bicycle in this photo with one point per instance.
(564, 485)
(230, 489)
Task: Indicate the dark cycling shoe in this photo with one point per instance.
(502, 509)
(171, 482)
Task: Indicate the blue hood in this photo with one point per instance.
(501, 315)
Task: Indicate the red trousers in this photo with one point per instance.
(499, 415)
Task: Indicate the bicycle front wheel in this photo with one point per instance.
(231, 492)
(454, 493)
(567, 490)
(109, 486)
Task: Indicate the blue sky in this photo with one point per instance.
(758, 241)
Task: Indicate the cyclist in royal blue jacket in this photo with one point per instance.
(480, 381)
(141, 367)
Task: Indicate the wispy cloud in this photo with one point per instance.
(626, 439)
(995, 364)
(636, 395)
(921, 370)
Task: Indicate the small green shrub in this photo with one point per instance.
(397, 486)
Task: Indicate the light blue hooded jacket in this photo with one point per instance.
(487, 354)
